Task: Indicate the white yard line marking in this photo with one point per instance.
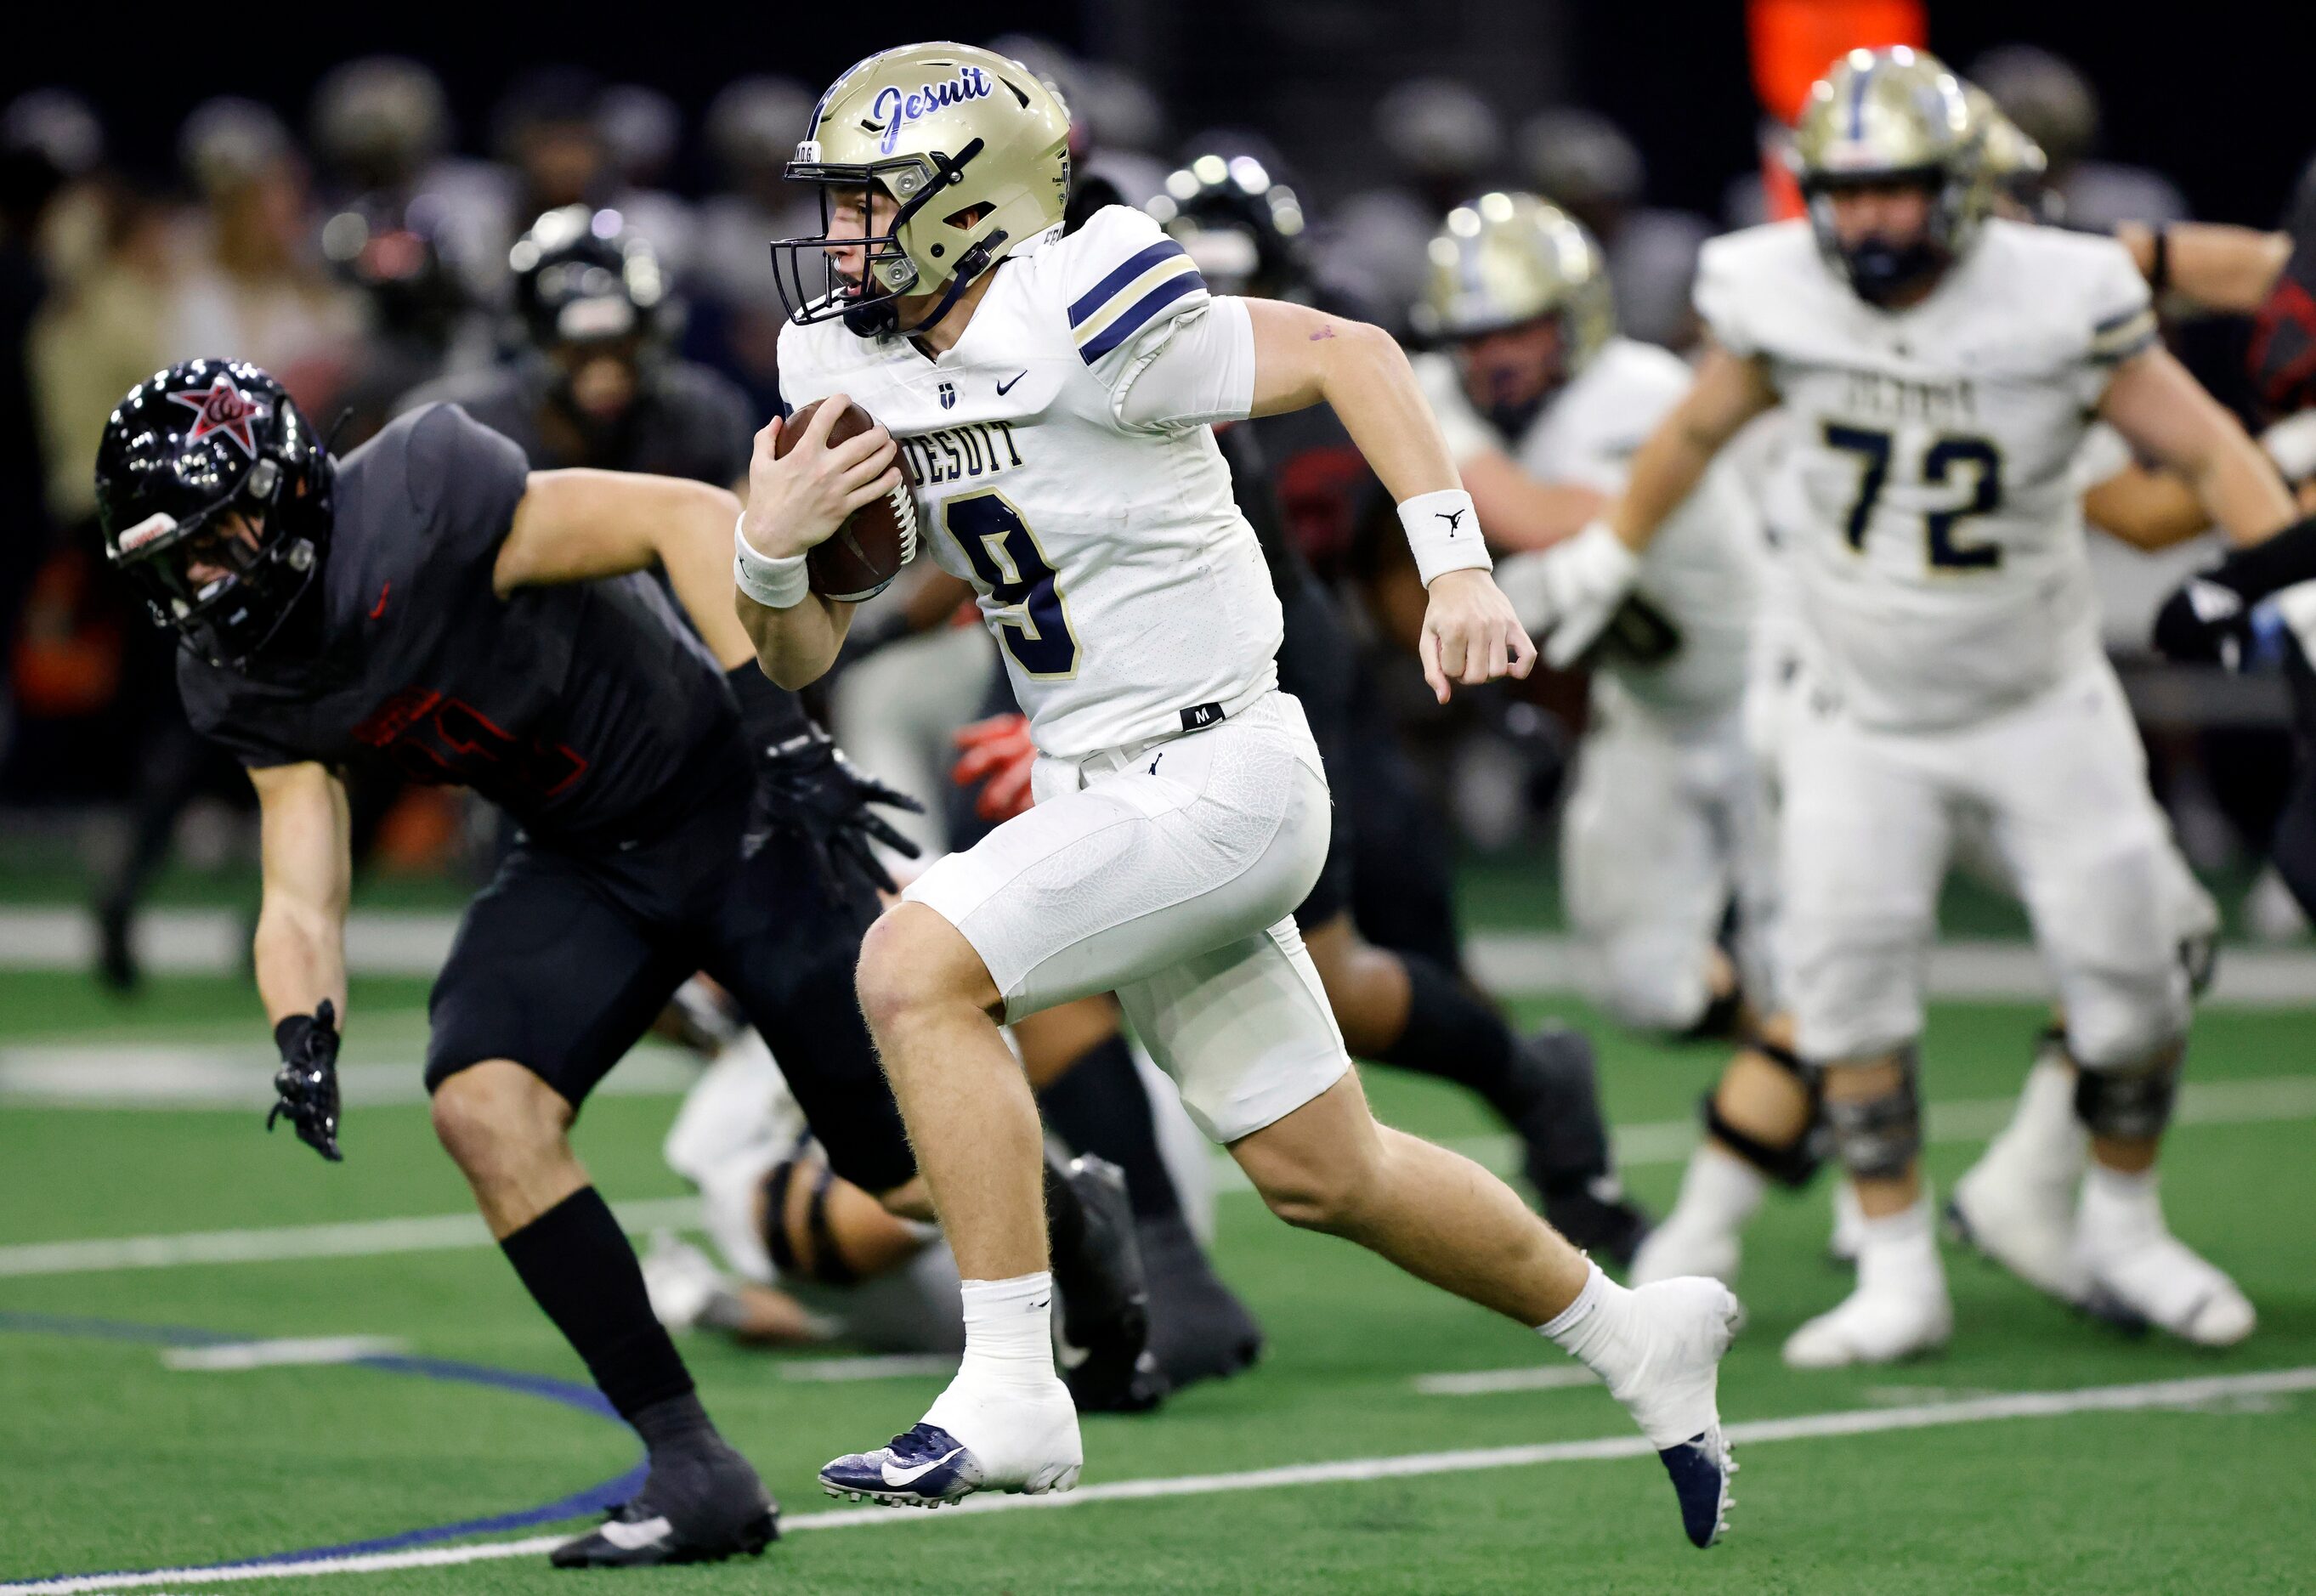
(1982, 1410)
(1488, 1382)
(213, 942)
(362, 1239)
(890, 1366)
(287, 1351)
(2276, 1099)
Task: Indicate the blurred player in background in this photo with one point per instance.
(596, 383)
(1940, 368)
(1182, 807)
(1544, 403)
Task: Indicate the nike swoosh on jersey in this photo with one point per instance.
(629, 1538)
(1004, 386)
(380, 610)
(909, 1476)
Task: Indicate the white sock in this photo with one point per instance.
(1719, 1191)
(1588, 1324)
(1009, 1330)
(2118, 1208)
(1901, 1250)
(2042, 1127)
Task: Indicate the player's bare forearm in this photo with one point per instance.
(2164, 413)
(307, 862)
(1519, 512)
(1730, 390)
(795, 647)
(2216, 266)
(2149, 510)
(1304, 357)
(580, 525)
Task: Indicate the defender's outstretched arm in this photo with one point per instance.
(1302, 357)
(581, 525)
(307, 862)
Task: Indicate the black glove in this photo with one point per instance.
(308, 1082)
(2208, 618)
(806, 786)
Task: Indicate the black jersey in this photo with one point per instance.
(687, 420)
(586, 710)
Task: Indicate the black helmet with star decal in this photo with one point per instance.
(213, 496)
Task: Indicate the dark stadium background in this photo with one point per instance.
(2215, 95)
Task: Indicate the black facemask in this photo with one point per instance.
(1880, 270)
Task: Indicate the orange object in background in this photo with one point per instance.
(422, 831)
(67, 655)
(1793, 43)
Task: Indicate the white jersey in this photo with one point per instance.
(1129, 594)
(1699, 572)
(1927, 495)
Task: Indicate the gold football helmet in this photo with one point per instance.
(945, 129)
(2016, 169)
(1505, 259)
(1885, 116)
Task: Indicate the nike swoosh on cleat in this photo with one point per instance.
(909, 1476)
(631, 1537)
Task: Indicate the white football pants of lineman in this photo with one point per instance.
(1868, 827)
(1659, 834)
(1168, 872)
(893, 714)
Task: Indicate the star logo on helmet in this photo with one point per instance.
(221, 407)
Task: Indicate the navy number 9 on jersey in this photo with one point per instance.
(1004, 554)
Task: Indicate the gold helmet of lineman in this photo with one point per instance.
(2017, 172)
(973, 149)
(1505, 260)
(1885, 117)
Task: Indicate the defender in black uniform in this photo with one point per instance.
(599, 385)
(432, 605)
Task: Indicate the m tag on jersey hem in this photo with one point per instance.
(1198, 716)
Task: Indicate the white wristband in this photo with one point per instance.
(775, 584)
(1443, 531)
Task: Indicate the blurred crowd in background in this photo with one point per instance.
(365, 252)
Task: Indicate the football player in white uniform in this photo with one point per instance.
(1543, 404)
(1939, 369)
(1053, 396)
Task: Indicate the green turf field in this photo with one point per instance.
(111, 1460)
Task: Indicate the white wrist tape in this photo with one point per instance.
(1443, 531)
(775, 584)
(2290, 444)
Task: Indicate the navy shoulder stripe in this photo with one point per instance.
(1132, 319)
(1093, 299)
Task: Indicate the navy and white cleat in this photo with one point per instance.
(925, 1467)
(1701, 1468)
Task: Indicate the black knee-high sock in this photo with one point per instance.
(1101, 1107)
(1453, 1036)
(577, 1263)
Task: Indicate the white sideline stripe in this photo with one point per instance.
(2022, 1404)
(886, 1367)
(1489, 1382)
(284, 1353)
(380, 942)
(2281, 1098)
(363, 1238)
(239, 1078)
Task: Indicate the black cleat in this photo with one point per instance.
(1701, 1468)
(1106, 1359)
(696, 1506)
(1198, 1328)
(1565, 1150)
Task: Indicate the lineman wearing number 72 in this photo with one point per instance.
(1938, 368)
